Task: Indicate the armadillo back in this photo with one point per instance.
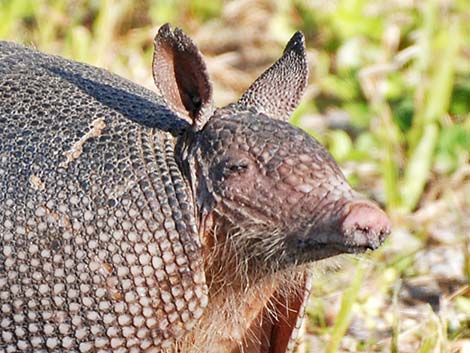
(96, 222)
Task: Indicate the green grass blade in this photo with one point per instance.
(428, 345)
(344, 315)
(418, 170)
(419, 167)
(439, 94)
(396, 318)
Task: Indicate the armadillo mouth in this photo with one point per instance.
(355, 241)
(352, 249)
(363, 227)
(322, 251)
(310, 249)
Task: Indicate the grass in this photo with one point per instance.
(349, 298)
(389, 95)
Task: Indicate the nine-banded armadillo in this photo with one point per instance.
(139, 222)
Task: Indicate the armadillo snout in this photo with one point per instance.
(365, 225)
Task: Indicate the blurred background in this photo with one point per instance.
(389, 95)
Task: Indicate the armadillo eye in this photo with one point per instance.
(233, 168)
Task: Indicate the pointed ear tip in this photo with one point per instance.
(167, 34)
(163, 32)
(165, 29)
(299, 35)
(165, 26)
(296, 43)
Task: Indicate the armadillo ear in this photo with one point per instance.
(181, 76)
(278, 90)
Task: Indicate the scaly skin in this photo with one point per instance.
(139, 222)
(97, 245)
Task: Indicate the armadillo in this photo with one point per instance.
(140, 221)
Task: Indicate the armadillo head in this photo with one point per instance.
(279, 193)
(269, 189)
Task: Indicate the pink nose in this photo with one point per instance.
(366, 225)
